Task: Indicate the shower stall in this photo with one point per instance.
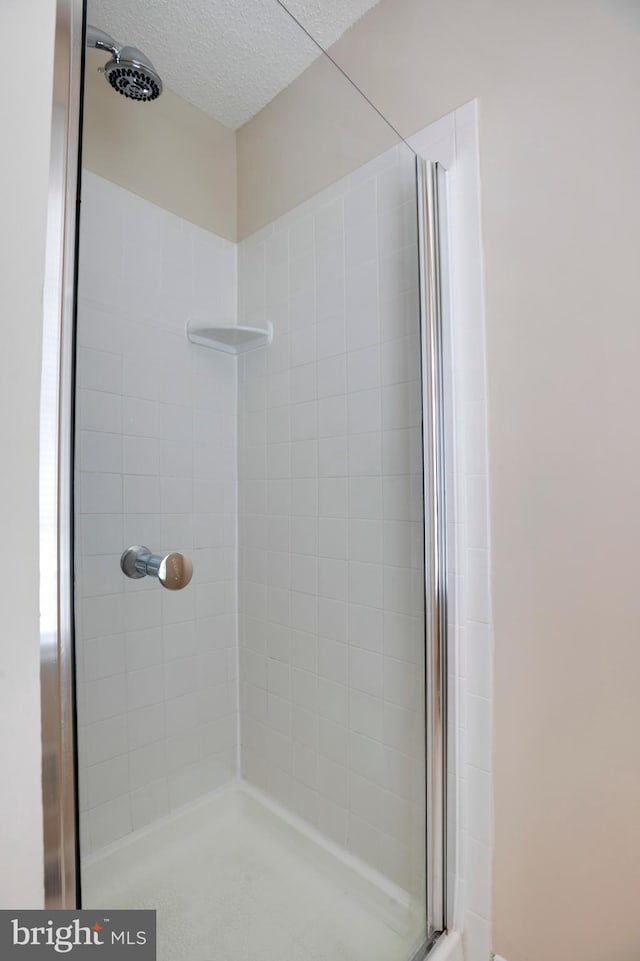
(244, 695)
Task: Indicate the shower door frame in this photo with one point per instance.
(57, 674)
(431, 194)
(59, 764)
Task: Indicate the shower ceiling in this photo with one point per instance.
(229, 58)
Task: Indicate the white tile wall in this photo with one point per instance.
(156, 465)
(330, 517)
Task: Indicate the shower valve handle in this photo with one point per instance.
(174, 570)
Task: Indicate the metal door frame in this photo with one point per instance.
(431, 219)
(57, 681)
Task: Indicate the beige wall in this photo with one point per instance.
(25, 120)
(167, 152)
(314, 133)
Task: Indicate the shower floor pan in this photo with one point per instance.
(235, 879)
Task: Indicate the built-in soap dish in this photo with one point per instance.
(231, 340)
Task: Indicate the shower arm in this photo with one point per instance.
(102, 41)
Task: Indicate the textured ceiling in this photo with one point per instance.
(228, 57)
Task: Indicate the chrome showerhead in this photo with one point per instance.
(133, 75)
(130, 72)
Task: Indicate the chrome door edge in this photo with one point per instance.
(435, 540)
(56, 449)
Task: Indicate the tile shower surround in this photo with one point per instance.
(330, 517)
(453, 141)
(330, 487)
(155, 465)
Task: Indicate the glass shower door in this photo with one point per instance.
(251, 746)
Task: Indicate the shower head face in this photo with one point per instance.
(133, 75)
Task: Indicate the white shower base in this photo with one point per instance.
(235, 878)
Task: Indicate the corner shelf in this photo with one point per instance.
(230, 340)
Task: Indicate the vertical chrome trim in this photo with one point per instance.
(435, 540)
(56, 447)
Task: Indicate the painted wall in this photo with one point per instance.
(25, 170)
(323, 122)
(156, 465)
(331, 583)
(168, 152)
